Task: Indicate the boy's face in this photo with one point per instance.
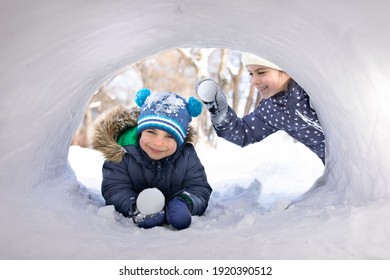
(157, 143)
(267, 80)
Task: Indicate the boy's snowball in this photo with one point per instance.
(150, 201)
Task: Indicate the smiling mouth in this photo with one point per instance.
(155, 151)
(263, 88)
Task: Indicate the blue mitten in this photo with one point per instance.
(145, 221)
(178, 213)
(149, 221)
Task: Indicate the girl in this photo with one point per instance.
(284, 106)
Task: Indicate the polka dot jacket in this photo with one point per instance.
(288, 110)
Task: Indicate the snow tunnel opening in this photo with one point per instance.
(54, 54)
(283, 159)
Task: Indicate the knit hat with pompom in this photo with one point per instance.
(166, 111)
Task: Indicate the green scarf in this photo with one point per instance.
(128, 137)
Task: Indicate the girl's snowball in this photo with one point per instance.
(150, 201)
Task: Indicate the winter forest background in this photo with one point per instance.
(175, 70)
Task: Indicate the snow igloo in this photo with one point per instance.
(55, 54)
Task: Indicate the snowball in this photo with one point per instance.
(150, 201)
(207, 90)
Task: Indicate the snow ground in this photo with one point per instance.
(246, 217)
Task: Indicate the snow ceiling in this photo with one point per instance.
(55, 54)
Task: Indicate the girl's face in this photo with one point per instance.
(157, 144)
(267, 80)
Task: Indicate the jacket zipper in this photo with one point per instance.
(158, 166)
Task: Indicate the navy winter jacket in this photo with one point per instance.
(288, 110)
(175, 175)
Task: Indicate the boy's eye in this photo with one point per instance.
(150, 131)
(169, 136)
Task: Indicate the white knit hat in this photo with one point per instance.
(248, 58)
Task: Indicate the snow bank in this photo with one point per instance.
(54, 55)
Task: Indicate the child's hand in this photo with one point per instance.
(214, 99)
(149, 221)
(146, 221)
(178, 213)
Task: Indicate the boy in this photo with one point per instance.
(151, 148)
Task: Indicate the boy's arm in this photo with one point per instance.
(117, 188)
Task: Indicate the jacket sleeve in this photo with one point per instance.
(117, 188)
(244, 131)
(195, 184)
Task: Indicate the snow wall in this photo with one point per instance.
(55, 54)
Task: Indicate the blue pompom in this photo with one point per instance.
(141, 96)
(194, 107)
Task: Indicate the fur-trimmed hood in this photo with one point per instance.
(110, 126)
